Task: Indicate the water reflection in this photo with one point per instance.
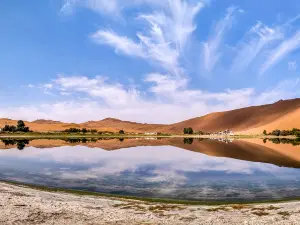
(195, 169)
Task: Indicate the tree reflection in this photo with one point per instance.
(20, 143)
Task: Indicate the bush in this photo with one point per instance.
(188, 130)
(121, 132)
(265, 132)
(84, 130)
(19, 128)
(73, 130)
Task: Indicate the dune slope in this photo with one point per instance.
(251, 120)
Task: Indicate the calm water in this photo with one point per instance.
(189, 169)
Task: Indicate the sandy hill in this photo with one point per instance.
(252, 120)
(284, 114)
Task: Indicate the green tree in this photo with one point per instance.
(190, 130)
(84, 130)
(121, 132)
(20, 125)
(265, 132)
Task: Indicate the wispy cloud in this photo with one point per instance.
(257, 39)
(211, 51)
(163, 42)
(284, 49)
(121, 44)
(102, 6)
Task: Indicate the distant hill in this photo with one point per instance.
(284, 114)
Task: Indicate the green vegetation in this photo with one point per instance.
(121, 132)
(20, 127)
(265, 132)
(188, 130)
(293, 132)
(83, 130)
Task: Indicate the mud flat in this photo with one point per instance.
(23, 205)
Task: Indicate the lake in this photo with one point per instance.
(168, 168)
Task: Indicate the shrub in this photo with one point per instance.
(84, 130)
(121, 132)
(188, 130)
(265, 132)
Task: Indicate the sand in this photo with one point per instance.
(23, 205)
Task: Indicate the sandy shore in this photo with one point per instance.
(23, 205)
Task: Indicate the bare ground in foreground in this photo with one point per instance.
(22, 205)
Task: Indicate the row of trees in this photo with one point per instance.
(293, 132)
(83, 130)
(20, 127)
(188, 130)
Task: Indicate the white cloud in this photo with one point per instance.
(284, 49)
(112, 94)
(100, 99)
(257, 39)
(63, 93)
(169, 30)
(286, 89)
(120, 43)
(211, 48)
(102, 6)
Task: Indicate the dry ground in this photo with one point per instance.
(22, 205)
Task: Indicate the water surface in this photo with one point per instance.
(173, 168)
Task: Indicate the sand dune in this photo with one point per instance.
(251, 120)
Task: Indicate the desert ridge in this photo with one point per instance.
(284, 114)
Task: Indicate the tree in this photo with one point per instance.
(265, 132)
(84, 130)
(20, 125)
(276, 132)
(297, 134)
(121, 132)
(190, 130)
(94, 131)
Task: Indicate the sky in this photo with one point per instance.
(149, 61)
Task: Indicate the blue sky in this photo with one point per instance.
(145, 60)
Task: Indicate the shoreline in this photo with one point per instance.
(24, 205)
(146, 199)
(60, 136)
